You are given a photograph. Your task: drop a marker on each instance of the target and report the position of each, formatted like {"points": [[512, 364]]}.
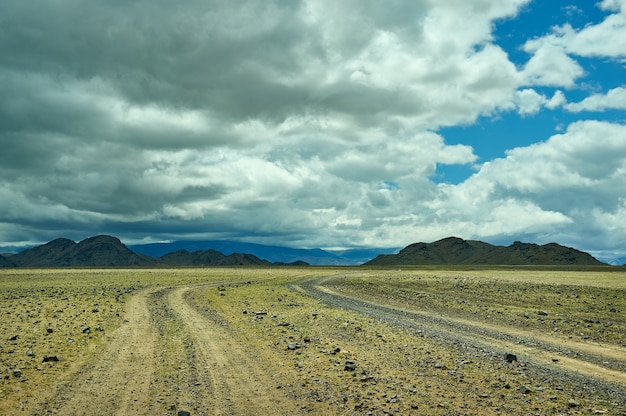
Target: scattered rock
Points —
{"points": [[293, 346], [525, 389], [17, 373], [183, 413], [49, 330], [510, 357], [85, 329], [50, 359], [542, 313], [284, 324], [572, 403], [349, 365], [30, 353]]}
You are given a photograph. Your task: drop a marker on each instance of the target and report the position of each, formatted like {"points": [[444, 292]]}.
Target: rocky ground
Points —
{"points": [[269, 341]]}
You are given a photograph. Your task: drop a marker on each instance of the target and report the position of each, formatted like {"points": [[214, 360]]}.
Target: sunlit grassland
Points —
{"points": [[397, 370], [583, 304], [70, 313]]}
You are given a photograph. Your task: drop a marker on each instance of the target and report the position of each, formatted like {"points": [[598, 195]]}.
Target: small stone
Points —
{"points": [[555, 359], [349, 365], [85, 329], [183, 413], [17, 373], [524, 389], [510, 357], [284, 324], [51, 358], [542, 313], [293, 346], [30, 353], [49, 330], [572, 403]]}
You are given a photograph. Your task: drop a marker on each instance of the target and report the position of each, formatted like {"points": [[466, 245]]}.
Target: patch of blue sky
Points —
{"points": [[389, 185]]}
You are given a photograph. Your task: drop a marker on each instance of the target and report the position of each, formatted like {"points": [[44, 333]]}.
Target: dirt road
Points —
{"points": [[168, 357], [592, 366]]}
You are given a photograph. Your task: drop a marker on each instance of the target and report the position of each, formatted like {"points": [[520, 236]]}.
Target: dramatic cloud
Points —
{"points": [[307, 123]]}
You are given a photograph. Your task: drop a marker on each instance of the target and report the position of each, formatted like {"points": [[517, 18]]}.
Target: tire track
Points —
{"points": [[579, 366], [240, 386], [117, 382]]}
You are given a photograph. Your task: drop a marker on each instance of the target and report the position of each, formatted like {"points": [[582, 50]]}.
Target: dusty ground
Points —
{"points": [[238, 342]]}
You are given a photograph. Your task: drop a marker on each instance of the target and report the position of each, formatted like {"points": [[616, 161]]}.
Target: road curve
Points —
{"points": [[604, 369]]}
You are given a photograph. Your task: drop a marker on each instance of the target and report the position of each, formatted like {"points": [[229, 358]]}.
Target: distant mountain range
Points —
{"points": [[107, 251], [315, 256], [456, 251]]}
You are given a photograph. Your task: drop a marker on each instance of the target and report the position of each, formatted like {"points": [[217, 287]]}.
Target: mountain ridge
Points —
{"points": [[108, 251], [456, 251]]}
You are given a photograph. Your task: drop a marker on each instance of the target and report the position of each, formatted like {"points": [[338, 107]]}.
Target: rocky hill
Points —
{"points": [[456, 251], [99, 251]]}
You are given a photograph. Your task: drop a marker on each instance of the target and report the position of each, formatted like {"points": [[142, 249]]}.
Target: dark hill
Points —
{"points": [[100, 251], [456, 251], [5, 261], [107, 251], [210, 258]]}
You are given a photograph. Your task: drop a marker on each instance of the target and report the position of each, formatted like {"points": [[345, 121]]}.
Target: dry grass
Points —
{"points": [[305, 344]]}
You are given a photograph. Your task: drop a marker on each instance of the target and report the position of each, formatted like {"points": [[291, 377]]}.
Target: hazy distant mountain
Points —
{"points": [[274, 254], [456, 251]]}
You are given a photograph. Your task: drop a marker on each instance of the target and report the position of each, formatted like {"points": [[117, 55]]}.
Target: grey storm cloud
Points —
{"points": [[304, 122]]}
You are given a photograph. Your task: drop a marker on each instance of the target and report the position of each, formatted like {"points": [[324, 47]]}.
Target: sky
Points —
{"points": [[319, 123]]}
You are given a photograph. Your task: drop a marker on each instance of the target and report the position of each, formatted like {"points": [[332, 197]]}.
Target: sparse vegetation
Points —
{"points": [[322, 358]]}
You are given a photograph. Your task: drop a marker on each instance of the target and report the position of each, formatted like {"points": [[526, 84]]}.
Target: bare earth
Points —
{"points": [[602, 362], [128, 378], [169, 356]]}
